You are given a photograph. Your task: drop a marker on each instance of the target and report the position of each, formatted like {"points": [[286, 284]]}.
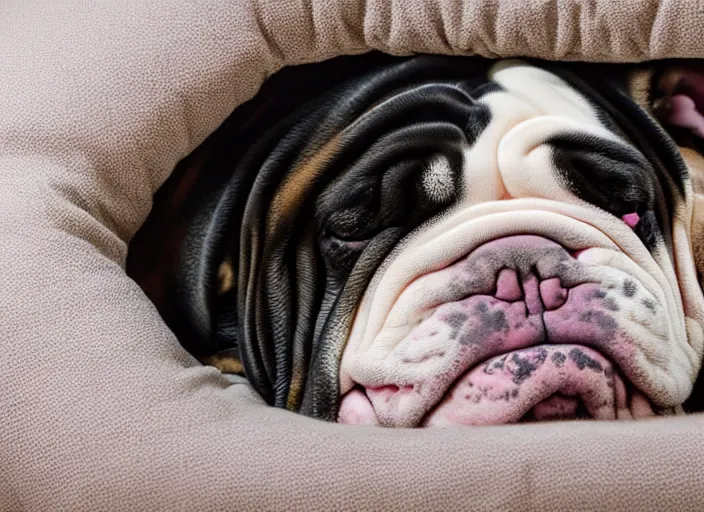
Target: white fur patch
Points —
{"points": [[438, 181]]}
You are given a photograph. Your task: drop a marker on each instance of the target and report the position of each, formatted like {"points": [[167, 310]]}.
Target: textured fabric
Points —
{"points": [[101, 408]]}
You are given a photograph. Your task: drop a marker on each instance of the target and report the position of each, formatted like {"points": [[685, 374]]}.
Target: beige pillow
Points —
{"points": [[100, 407]]}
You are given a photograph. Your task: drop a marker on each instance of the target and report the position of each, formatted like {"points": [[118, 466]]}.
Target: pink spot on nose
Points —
{"points": [[552, 293], [507, 286], [631, 219]]}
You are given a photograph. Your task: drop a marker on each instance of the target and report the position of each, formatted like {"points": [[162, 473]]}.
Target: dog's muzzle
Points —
{"points": [[538, 341]]}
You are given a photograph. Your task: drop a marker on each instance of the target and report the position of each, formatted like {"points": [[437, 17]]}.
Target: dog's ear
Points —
{"points": [[673, 93]]}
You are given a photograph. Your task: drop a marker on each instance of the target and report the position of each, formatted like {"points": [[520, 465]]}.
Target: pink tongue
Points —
{"points": [[685, 114], [548, 381], [686, 87]]}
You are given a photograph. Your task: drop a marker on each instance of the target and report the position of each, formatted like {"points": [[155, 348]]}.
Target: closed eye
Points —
{"points": [[338, 247]]}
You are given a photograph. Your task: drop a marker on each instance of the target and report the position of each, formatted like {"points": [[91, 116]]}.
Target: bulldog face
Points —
{"points": [[434, 241]]}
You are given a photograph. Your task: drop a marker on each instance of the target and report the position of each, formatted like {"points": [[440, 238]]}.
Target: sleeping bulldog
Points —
{"points": [[434, 241]]}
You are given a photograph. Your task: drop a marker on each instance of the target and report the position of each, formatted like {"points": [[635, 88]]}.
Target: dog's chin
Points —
{"points": [[542, 383]]}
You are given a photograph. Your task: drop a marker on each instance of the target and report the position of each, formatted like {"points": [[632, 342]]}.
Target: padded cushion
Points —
{"points": [[102, 409]]}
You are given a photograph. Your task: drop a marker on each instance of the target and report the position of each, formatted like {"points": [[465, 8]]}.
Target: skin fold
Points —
{"points": [[435, 241]]}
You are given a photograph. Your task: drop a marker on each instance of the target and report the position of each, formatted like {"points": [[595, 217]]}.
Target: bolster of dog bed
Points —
{"points": [[101, 409]]}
